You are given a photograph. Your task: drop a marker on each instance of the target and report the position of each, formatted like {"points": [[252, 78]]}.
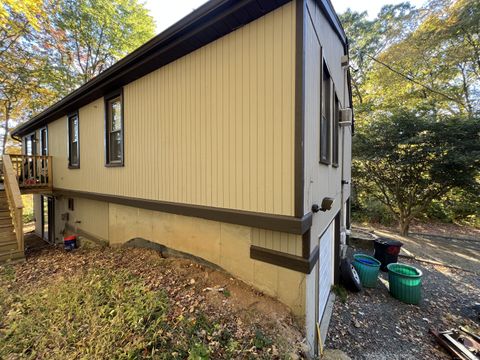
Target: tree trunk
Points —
{"points": [[6, 128], [404, 225]]}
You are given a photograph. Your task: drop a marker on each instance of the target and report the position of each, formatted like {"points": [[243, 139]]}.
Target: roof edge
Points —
{"points": [[212, 20]]}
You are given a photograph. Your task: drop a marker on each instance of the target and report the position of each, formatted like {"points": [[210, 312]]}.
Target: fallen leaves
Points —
{"points": [[203, 317]]}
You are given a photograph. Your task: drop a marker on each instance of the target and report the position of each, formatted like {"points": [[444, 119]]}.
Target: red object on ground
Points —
{"points": [[70, 238]]}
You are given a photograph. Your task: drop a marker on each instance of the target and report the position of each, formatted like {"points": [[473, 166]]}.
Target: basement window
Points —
{"points": [[325, 119], [71, 205], [114, 129], [73, 142]]}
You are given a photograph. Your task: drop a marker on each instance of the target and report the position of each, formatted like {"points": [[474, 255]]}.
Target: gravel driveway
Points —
{"points": [[373, 325]]}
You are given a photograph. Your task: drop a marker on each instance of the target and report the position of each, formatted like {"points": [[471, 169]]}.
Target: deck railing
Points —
{"points": [[14, 198], [32, 171]]}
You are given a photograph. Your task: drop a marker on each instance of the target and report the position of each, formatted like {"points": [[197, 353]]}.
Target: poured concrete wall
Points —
{"points": [[225, 245]]}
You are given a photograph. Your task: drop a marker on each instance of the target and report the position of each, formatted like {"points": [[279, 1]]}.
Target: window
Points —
{"points": [[336, 119], [114, 130], [43, 141], [71, 205], [73, 142], [326, 116], [30, 148]]}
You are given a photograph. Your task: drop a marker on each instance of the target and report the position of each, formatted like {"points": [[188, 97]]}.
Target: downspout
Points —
{"points": [[343, 230]]}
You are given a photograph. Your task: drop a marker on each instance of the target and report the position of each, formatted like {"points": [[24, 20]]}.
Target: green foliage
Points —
{"points": [[49, 48], [425, 64], [85, 37], [198, 351], [261, 340], [406, 161], [97, 315], [106, 314], [457, 206], [367, 208], [340, 292], [28, 214]]}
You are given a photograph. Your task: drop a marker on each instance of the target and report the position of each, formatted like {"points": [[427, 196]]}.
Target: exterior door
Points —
{"points": [[42, 164], [48, 217], [325, 278]]}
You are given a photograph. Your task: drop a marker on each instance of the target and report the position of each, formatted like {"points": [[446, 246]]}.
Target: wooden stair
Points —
{"points": [[9, 250]]}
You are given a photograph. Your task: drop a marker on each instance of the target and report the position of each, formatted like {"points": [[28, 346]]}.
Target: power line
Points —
{"points": [[409, 78]]}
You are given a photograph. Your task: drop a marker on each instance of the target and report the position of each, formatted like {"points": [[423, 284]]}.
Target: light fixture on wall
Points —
{"points": [[327, 204]]}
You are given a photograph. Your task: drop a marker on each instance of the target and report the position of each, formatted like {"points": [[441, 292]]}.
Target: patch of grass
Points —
{"points": [[100, 314], [198, 351], [28, 215], [261, 340], [340, 292], [226, 293]]}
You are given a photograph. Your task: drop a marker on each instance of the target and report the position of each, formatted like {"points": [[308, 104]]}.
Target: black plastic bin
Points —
{"points": [[386, 251]]}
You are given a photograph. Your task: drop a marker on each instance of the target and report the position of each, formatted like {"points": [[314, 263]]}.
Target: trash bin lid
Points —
{"points": [[389, 242]]}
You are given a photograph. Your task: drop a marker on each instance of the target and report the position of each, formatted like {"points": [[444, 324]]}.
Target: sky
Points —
{"points": [[168, 12]]}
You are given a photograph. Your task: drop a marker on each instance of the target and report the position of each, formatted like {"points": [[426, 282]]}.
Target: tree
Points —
{"points": [[406, 160], [82, 38], [436, 67], [50, 47], [17, 19], [368, 38]]}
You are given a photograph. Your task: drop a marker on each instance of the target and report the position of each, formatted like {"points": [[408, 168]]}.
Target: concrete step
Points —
{"points": [[11, 256]]}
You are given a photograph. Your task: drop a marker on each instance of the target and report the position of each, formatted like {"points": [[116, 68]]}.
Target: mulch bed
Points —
{"points": [[374, 325]]}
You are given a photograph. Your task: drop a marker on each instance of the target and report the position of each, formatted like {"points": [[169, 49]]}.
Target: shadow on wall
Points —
{"points": [[168, 252]]}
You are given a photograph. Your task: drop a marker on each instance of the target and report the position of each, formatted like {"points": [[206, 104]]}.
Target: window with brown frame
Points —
{"points": [[336, 119], [326, 116], [114, 130], [73, 142]]}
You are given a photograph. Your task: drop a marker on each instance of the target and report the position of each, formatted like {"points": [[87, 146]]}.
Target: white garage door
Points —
{"points": [[326, 268]]}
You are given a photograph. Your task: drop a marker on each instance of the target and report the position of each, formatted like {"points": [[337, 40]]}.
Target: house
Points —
{"points": [[226, 137]]}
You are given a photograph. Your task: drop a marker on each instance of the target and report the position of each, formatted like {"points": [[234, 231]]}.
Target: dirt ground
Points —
{"points": [[374, 325], [444, 249], [190, 287]]}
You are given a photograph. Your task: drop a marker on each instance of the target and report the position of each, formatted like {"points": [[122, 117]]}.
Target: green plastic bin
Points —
{"points": [[367, 268], [405, 283]]}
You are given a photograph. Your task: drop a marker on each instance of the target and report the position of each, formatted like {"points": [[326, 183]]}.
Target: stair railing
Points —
{"points": [[32, 171], [14, 198]]}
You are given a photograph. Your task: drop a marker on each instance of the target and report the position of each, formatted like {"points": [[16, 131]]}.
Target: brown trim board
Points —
{"points": [[285, 260], [299, 106], [282, 223]]}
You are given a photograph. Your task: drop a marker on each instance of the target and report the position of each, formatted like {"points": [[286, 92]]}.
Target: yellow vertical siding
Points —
{"points": [[213, 128], [275, 240]]}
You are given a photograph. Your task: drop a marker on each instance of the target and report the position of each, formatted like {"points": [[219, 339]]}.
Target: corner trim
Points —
{"points": [[292, 262], [299, 106], [282, 223]]}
